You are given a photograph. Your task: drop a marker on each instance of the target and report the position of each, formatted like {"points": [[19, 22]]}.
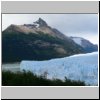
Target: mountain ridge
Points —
{"points": [[37, 41], [86, 44], [38, 26]]}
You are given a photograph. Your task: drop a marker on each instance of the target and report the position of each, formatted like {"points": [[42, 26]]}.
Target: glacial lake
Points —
{"points": [[13, 67]]}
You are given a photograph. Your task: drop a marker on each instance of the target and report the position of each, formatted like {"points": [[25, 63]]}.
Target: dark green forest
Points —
{"points": [[19, 46], [29, 79]]}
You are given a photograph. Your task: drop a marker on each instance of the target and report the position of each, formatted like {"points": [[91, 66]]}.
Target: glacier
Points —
{"points": [[83, 67]]}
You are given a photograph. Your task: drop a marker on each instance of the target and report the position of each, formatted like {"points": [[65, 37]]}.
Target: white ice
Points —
{"points": [[83, 67]]}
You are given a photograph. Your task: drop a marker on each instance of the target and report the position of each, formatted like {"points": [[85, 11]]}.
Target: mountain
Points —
{"points": [[83, 67], [37, 41], [86, 44]]}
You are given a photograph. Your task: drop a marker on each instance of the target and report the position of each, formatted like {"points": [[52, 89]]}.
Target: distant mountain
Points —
{"points": [[86, 44], [37, 41]]}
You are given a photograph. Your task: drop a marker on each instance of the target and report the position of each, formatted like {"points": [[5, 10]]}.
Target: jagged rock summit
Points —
{"points": [[39, 26], [41, 22]]}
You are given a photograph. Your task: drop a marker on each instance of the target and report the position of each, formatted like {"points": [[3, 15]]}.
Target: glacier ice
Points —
{"points": [[83, 67]]}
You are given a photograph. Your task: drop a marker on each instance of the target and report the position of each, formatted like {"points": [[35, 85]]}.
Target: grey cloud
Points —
{"points": [[76, 23]]}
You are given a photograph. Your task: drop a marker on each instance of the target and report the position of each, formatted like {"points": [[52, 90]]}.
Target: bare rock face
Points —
{"points": [[20, 28], [41, 22]]}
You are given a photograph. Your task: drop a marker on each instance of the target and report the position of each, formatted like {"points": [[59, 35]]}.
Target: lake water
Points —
{"points": [[13, 67]]}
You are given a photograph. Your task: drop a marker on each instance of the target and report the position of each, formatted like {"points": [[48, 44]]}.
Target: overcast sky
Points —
{"points": [[81, 25]]}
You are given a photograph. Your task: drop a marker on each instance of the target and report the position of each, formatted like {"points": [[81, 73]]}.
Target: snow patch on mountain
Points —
{"points": [[85, 44], [77, 41], [83, 67]]}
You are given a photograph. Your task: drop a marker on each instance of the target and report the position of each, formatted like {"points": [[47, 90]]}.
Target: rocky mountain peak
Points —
{"points": [[41, 22]]}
